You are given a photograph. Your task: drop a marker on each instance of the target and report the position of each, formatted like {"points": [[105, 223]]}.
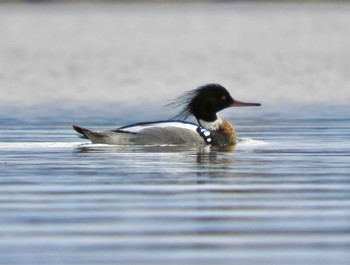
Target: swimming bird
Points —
{"points": [[203, 103]]}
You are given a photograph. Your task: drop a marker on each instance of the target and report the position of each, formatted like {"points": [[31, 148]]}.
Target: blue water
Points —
{"points": [[281, 196]]}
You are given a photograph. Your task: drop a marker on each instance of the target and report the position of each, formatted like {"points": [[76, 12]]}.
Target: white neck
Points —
{"points": [[211, 125]]}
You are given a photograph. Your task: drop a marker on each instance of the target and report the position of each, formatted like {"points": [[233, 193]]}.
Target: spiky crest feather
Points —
{"points": [[185, 100]]}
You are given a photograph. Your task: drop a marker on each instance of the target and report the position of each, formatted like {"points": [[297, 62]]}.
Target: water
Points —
{"points": [[281, 196]]}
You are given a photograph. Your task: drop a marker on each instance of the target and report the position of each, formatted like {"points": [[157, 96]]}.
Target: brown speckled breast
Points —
{"points": [[227, 128], [225, 135]]}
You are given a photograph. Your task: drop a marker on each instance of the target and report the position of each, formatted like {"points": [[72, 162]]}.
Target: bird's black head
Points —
{"points": [[205, 101]]}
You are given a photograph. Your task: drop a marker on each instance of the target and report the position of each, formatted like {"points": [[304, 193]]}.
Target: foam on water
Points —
{"points": [[250, 142], [52, 145], [38, 145]]}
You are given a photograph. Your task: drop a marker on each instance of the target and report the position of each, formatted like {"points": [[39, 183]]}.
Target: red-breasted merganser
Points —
{"points": [[203, 103]]}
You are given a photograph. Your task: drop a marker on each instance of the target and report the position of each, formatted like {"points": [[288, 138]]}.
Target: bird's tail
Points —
{"points": [[82, 131]]}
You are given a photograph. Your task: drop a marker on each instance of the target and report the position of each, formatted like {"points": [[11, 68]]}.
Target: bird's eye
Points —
{"points": [[223, 98]]}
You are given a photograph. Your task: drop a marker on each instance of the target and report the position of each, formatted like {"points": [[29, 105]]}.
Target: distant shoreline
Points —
{"points": [[171, 1]]}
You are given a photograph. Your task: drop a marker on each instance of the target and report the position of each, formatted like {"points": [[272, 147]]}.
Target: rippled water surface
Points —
{"points": [[281, 196]]}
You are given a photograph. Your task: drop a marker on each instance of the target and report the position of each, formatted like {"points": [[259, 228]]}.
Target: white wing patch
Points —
{"points": [[170, 124], [168, 132]]}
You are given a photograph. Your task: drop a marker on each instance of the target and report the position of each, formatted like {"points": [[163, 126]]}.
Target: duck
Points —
{"points": [[203, 103]]}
